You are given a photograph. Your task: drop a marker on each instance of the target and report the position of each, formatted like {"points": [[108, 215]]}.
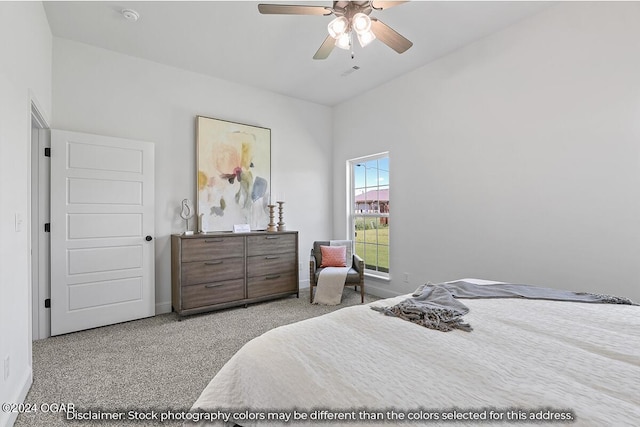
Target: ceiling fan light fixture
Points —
{"points": [[338, 27], [365, 38], [351, 19], [361, 23], [344, 41]]}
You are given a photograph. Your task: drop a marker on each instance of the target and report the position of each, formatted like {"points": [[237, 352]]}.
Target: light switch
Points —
{"points": [[19, 222]]}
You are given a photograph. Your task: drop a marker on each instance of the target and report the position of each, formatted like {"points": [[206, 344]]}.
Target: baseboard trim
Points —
{"points": [[163, 307], [19, 398], [369, 287], [378, 291]]}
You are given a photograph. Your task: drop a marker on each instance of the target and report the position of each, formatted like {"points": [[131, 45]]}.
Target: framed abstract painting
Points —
{"points": [[234, 174]]}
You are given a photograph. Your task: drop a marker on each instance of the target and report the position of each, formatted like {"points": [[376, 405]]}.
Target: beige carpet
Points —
{"points": [[155, 363]]}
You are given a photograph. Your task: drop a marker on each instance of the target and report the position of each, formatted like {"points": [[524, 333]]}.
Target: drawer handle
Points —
{"points": [[214, 285], [272, 237], [213, 240], [213, 263], [272, 257], [272, 277]]}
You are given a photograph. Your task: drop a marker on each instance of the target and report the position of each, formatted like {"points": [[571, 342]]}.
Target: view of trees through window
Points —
{"points": [[370, 211]]}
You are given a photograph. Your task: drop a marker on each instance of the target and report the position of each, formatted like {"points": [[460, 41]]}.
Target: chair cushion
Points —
{"points": [[333, 256], [317, 252], [349, 245], [353, 277]]}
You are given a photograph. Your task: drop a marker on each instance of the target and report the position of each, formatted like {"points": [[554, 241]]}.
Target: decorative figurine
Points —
{"points": [[186, 213]]}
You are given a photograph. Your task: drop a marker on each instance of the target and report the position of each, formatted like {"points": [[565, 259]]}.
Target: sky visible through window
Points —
{"points": [[371, 174]]}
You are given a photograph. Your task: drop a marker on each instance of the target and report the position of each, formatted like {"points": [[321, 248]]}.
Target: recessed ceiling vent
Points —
{"points": [[350, 70]]}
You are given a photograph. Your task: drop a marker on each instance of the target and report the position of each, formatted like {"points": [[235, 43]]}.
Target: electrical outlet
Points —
{"points": [[406, 277], [6, 368]]}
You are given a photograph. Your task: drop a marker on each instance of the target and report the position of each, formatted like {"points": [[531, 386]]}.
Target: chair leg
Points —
{"points": [[361, 294], [311, 293]]}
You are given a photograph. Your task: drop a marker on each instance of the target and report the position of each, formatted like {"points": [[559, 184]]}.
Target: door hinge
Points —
{"points": [[47, 152], [47, 227], [47, 303]]}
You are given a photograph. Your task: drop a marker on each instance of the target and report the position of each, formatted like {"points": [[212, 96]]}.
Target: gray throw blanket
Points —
{"points": [[436, 306]]}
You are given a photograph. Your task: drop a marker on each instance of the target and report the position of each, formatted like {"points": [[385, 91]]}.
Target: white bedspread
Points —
{"points": [[522, 355]]}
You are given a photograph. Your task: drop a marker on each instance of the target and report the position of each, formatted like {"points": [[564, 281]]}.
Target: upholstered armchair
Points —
{"points": [[355, 276]]}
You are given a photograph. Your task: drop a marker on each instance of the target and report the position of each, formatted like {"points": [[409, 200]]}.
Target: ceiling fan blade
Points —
{"points": [[381, 5], [389, 36], [325, 48], [285, 9]]}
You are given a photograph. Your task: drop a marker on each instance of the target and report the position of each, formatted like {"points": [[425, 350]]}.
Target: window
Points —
{"points": [[369, 211]]}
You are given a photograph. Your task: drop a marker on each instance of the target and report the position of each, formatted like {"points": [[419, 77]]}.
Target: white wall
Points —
{"points": [[515, 158], [25, 75], [103, 92]]}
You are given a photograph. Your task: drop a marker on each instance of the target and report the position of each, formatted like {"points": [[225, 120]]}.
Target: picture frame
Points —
{"points": [[233, 174]]}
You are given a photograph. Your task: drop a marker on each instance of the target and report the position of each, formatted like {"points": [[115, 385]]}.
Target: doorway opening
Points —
{"points": [[40, 240]]}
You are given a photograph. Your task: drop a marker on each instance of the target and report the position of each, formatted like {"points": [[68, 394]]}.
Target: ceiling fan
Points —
{"points": [[351, 17]]}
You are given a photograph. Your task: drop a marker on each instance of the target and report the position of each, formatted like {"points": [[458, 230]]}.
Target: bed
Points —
{"points": [[561, 363]]}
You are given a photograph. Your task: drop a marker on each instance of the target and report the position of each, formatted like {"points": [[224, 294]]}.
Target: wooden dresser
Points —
{"points": [[218, 270]]}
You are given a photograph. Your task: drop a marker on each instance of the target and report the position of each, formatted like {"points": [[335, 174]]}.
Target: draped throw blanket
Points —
{"points": [[436, 306], [330, 285], [331, 279]]}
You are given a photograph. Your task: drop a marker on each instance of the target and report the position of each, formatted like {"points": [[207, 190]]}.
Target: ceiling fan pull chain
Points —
{"points": [[353, 55]]}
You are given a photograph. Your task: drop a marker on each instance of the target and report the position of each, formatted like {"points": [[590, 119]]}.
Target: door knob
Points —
{"points": [[148, 238]]}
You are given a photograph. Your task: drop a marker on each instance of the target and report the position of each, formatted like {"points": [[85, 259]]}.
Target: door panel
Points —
{"points": [[97, 294], [101, 191], [106, 158], [102, 267], [103, 225], [91, 260]]}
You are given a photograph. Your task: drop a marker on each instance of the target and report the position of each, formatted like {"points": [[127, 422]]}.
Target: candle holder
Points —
{"points": [[281, 226], [272, 226]]}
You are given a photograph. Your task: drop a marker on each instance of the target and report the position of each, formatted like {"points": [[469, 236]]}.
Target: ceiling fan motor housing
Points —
{"points": [[350, 8]]}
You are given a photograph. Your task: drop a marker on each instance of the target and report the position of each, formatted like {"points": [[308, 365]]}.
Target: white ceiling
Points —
{"points": [[231, 40]]}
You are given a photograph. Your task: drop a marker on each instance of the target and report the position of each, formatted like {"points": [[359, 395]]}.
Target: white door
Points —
{"points": [[102, 225]]}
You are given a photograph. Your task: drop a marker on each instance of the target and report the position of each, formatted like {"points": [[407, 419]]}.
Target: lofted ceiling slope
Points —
{"points": [[231, 40]]}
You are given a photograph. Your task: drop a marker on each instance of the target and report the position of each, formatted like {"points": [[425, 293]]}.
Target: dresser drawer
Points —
{"points": [[271, 284], [212, 247], [270, 244], [261, 265], [212, 271], [212, 293]]}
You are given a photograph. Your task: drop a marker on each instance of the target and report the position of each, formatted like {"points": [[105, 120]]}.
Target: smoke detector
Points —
{"points": [[130, 15]]}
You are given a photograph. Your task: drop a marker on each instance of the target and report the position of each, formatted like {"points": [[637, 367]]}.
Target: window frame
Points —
{"points": [[353, 215]]}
